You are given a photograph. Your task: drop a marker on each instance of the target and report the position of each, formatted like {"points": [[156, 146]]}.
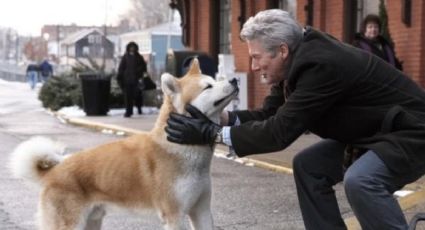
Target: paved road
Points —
{"points": [[243, 197]]}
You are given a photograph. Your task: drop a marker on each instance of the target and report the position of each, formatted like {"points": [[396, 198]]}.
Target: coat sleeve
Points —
{"points": [[317, 89], [121, 70], [142, 67]]}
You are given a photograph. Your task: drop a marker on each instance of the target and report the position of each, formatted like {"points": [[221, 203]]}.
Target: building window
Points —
{"points": [[406, 12], [288, 5], [101, 52], [225, 24], [91, 39], [309, 11], [365, 7], [291, 7], [95, 39], [86, 51]]}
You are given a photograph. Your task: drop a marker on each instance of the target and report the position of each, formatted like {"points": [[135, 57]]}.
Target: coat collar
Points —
{"points": [[306, 31]]}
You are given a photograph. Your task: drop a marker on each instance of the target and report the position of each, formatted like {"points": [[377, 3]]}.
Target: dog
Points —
{"points": [[140, 172]]}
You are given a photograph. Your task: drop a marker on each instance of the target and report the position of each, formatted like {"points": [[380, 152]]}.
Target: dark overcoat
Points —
{"points": [[131, 67], [380, 47], [343, 93]]}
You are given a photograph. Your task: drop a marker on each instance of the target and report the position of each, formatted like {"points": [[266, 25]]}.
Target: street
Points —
{"points": [[243, 197]]}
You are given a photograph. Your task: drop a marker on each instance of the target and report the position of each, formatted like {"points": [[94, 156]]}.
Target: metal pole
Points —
{"points": [[58, 42], [170, 24], [17, 48]]}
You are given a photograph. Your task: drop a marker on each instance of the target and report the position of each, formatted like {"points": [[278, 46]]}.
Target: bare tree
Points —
{"points": [[147, 13]]}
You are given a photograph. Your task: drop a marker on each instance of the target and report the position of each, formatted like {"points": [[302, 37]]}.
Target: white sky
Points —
{"points": [[29, 16]]}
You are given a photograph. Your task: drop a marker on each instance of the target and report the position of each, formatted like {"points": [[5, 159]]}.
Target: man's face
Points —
{"points": [[269, 67]]}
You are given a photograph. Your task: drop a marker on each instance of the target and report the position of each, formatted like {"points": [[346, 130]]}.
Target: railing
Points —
{"points": [[12, 72]]}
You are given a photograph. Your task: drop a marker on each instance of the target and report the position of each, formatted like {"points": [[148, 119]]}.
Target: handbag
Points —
{"points": [[148, 83]]}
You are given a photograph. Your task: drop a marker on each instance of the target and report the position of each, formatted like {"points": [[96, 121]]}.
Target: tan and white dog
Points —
{"points": [[140, 172]]}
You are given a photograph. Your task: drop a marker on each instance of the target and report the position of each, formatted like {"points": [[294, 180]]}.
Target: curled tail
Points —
{"points": [[33, 158]]}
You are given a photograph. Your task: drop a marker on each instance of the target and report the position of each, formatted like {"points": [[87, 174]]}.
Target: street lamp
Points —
{"points": [[46, 36]]}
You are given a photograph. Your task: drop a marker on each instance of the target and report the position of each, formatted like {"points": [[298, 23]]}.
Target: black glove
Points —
{"points": [[197, 130]]}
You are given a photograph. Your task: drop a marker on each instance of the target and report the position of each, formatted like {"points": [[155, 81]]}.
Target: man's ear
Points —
{"points": [[283, 51], [169, 84]]}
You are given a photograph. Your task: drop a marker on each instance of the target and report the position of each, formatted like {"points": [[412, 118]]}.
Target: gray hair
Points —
{"points": [[272, 28]]}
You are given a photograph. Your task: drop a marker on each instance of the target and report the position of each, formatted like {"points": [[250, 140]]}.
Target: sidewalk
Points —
{"points": [[115, 122], [277, 161]]}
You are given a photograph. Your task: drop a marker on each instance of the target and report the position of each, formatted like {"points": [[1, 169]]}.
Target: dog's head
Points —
{"points": [[199, 90]]}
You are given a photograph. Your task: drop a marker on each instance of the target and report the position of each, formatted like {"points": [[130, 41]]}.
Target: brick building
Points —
{"points": [[213, 26]]}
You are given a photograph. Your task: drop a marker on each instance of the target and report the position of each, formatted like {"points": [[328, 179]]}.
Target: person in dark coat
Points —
{"points": [[370, 115], [130, 72], [32, 74], [370, 40], [46, 70]]}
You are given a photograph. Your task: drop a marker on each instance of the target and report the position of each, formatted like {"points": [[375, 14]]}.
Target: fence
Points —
{"points": [[11, 72]]}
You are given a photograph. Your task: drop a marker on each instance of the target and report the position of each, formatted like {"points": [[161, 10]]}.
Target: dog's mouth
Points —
{"points": [[225, 99]]}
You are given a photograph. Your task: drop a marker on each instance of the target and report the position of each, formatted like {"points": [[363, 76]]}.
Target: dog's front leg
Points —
{"points": [[94, 218], [200, 214], [173, 221]]}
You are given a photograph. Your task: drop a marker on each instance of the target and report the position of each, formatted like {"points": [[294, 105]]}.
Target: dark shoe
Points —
{"points": [[139, 110], [127, 115]]}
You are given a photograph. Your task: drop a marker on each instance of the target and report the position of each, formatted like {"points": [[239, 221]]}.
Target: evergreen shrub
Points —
{"points": [[65, 90], [61, 91]]}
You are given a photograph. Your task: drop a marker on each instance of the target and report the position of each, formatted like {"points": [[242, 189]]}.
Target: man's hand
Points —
{"points": [[197, 130]]}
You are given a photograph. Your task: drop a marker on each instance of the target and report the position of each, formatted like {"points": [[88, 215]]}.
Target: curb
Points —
{"points": [[102, 126], [253, 162], [96, 125]]}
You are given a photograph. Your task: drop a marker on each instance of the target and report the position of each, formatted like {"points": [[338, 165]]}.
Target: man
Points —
{"points": [[360, 105], [46, 70], [32, 74]]}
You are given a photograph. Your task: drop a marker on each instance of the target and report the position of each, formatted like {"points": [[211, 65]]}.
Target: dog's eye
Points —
{"points": [[209, 86]]}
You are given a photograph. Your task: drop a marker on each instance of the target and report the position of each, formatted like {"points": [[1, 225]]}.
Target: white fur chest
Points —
{"points": [[195, 178], [196, 158]]}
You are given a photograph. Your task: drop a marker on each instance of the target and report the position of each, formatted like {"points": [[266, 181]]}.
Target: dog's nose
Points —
{"points": [[234, 82]]}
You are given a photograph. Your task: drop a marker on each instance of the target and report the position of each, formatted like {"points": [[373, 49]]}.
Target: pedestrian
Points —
{"points": [[371, 40], [365, 110], [46, 70], [32, 74], [130, 72]]}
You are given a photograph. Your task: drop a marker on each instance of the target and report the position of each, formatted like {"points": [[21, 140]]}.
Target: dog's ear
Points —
{"points": [[194, 68], [169, 85]]}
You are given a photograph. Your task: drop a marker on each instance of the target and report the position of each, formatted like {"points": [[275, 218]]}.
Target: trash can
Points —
{"points": [[206, 63], [96, 90], [178, 62]]}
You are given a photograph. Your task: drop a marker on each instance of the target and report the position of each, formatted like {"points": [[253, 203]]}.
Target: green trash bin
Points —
{"points": [[96, 90]]}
